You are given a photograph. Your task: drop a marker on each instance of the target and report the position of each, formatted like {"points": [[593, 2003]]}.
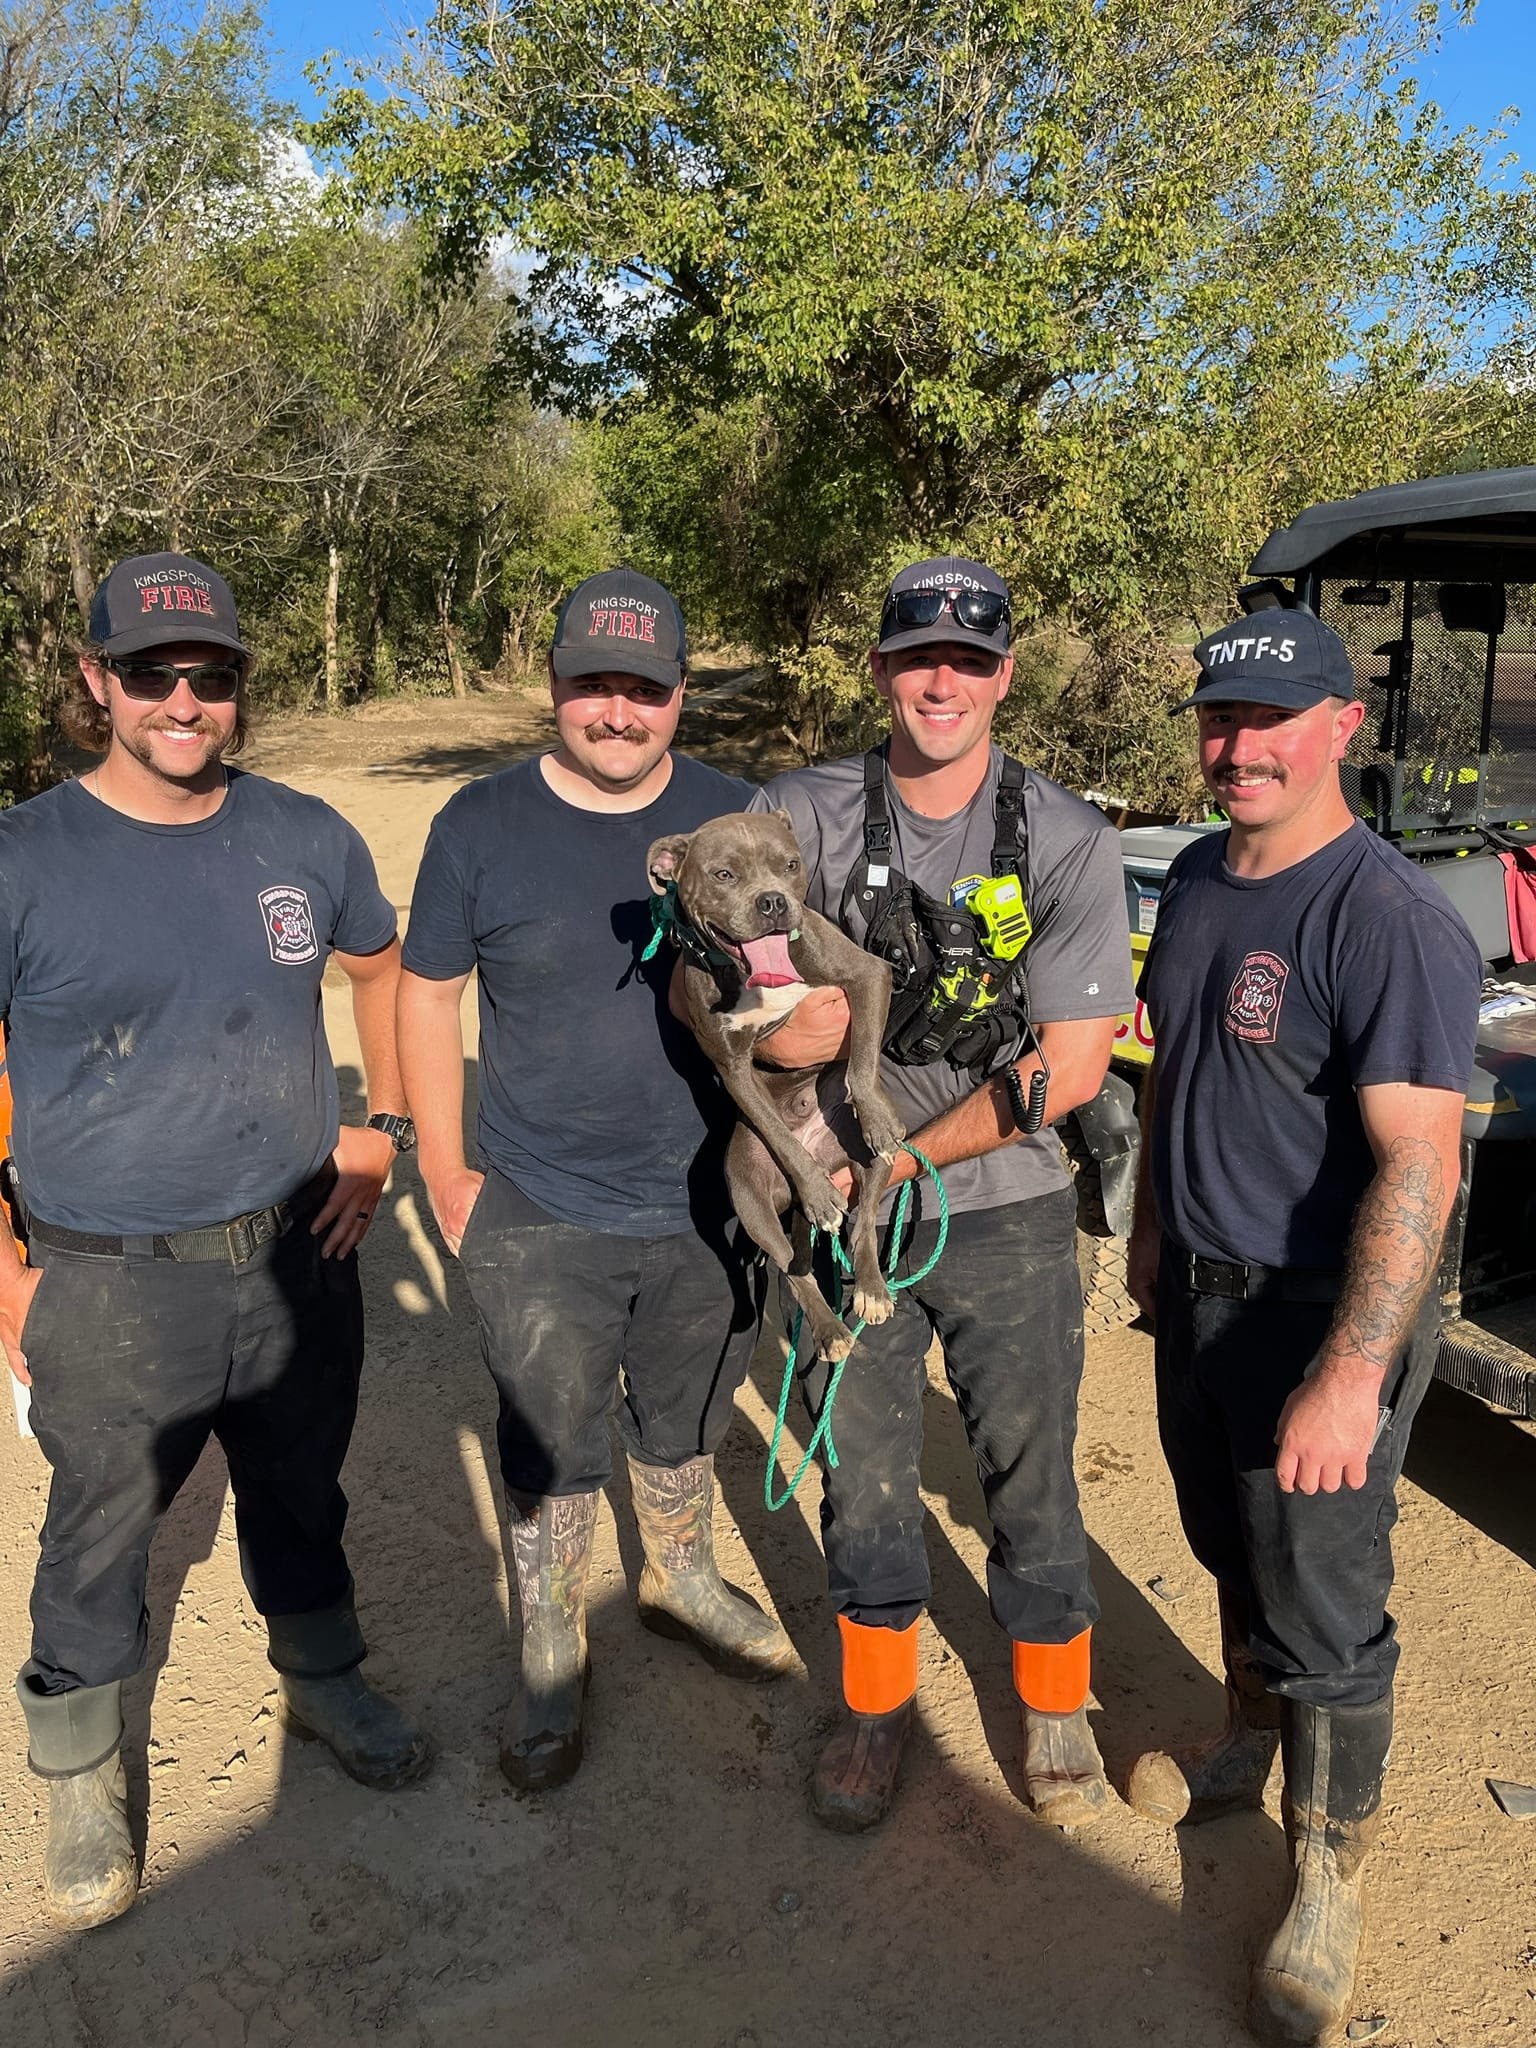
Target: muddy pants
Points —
{"points": [[135, 1360], [1006, 1303], [575, 1323], [1314, 1569]]}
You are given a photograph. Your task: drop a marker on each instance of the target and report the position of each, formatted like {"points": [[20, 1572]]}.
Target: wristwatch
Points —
{"points": [[399, 1130]]}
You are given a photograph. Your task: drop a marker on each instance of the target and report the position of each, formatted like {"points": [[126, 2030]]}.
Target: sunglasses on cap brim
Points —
{"points": [[979, 611], [211, 682]]}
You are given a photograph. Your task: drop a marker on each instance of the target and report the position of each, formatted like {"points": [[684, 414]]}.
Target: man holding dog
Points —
{"points": [[193, 1204], [901, 844], [1314, 1002], [595, 1240]]}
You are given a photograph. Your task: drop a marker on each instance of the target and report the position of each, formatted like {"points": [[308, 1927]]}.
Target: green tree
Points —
{"points": [[1098, 278]]}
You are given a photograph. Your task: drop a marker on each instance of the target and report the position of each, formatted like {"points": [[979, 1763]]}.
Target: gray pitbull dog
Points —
{"points": [[753, 952]]}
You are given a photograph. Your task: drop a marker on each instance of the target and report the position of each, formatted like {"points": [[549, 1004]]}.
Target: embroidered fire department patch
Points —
{"points": [[290, 925], [1253, 1007]]}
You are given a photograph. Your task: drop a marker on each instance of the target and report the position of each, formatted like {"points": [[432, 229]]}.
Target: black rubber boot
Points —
{"points": [[681, 1592], [325, 1698], [1227, 1772], [90, 1873], [1335, 1758], [857, 1773], [1063, 1771], [541, 1739]]}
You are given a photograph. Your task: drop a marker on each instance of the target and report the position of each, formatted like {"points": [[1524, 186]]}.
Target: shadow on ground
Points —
{"points": [[676, 1892]]}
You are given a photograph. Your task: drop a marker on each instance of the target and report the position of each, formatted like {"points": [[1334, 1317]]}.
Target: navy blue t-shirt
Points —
{"points": [[1271, 1002], [162, 989], [594, 1100]]}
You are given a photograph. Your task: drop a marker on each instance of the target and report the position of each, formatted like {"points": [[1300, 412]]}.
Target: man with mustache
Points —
{"points": [[1314, 1001], [193, 1204], [593, 1237]]}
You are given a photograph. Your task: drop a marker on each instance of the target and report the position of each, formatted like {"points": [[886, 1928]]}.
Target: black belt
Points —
{"points": [[235, 1242], [1231, 1282]]}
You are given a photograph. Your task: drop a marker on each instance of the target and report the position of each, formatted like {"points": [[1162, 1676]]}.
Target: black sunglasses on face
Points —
{"points": [[211, 682], [983, 611]]}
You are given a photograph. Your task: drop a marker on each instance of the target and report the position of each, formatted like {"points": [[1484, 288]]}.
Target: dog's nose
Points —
{"points": [[772, 904]]}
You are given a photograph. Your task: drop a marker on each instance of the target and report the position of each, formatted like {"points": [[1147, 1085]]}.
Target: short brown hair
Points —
{"points": [[88, 725]]}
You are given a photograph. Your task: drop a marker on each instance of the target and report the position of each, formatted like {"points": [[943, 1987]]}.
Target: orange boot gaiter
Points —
{"points": [[1053, 1677], [879, 1666]]}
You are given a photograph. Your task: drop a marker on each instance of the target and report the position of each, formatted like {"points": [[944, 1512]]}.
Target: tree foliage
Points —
{"points": [[196, 354], [1100, 289]]}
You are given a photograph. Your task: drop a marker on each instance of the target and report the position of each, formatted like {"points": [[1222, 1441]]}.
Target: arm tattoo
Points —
{"points": [[1393, 1250]]}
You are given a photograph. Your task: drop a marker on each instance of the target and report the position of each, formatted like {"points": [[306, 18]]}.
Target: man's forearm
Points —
{"points": [[431, 1040], [983, 1122], [1394, 1250], [373, 1011]]}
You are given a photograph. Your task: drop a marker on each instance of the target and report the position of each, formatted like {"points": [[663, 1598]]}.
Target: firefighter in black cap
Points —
{"points": [[998, 899], [193, 1206], [1314, 999]]}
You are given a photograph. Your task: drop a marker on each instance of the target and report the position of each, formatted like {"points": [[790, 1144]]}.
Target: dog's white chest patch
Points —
{"points": [[760, 1006]]}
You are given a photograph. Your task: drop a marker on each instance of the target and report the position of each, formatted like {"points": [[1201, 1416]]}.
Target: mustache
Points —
{"points": [[632, 735], [203, 726]]}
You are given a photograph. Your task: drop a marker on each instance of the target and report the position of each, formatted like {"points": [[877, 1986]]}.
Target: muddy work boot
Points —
{"points": [[90, 1873], [1302, 1989], [856, 1775], [681, 1592], [541, 1739], [325, 1698], [1063, 1771], [1227, 1772]]}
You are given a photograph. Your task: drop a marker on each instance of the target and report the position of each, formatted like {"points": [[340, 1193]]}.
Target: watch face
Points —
{"points": [[398, 1129]]}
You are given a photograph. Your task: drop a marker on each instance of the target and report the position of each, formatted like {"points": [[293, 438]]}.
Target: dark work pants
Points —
{"points": [[135, 1361], [1007, 1305], [1316, 1569], [575, 1322]]}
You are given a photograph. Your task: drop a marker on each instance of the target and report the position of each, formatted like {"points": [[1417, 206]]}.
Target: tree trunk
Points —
{"points": [[332, 630], [81, 576], [450, 630]]}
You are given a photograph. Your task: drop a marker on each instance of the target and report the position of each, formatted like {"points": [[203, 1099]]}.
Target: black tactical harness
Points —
{"points": [[951, 999]]}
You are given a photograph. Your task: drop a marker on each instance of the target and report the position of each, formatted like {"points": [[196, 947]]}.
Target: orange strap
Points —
{"points": [[879, 1666], [1053, 1677]]}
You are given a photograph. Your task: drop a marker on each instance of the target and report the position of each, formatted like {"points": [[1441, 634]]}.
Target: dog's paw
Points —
{"points": [[823, 1205], [835, 1349], [874, 1307], [883, 1129]]}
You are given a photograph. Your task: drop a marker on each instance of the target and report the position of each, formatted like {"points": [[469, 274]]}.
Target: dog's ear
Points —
{"points": [[665, 858]]}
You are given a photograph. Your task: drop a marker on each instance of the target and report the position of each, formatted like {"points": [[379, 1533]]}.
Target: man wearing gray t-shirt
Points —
{"points": [[901, 846]]}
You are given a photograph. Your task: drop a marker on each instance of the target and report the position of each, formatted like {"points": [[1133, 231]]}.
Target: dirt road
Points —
{"points": [[676, 1895]]}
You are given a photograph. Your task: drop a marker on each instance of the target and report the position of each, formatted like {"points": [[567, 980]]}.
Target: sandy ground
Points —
{"points": [[676, 1893]]}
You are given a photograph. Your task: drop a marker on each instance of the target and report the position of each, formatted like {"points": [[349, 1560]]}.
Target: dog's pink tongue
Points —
{"points": [[768, 961]]}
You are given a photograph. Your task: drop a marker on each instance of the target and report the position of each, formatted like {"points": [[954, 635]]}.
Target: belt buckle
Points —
{"points": [[247, 1234], [1216, 1277]]}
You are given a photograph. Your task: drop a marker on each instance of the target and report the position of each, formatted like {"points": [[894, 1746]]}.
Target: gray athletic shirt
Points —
{"points": [[1079, 960]]}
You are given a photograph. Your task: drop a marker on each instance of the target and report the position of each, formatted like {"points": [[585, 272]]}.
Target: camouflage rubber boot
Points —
{"points": [[681, 1592], [1227, 1772], [90, 1872], [1335, 1758], [541, 1739]]}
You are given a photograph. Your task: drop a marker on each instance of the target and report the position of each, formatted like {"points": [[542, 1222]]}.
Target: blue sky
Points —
{"points": [[1476, 73]]}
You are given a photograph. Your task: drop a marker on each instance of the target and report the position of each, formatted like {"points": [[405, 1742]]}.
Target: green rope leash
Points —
{"points": [[663, 917], [821, 1435]]}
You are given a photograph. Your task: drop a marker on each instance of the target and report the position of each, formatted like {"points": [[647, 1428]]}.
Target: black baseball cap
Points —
{"points": [[1275, 656], [151, 599], [964, 586], [621, 621]]}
